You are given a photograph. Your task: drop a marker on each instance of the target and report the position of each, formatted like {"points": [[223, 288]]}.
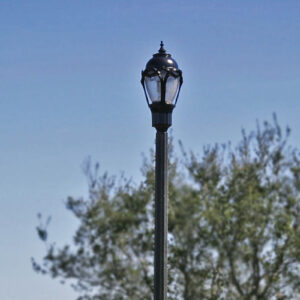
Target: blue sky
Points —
{"points": [[70, 88]]}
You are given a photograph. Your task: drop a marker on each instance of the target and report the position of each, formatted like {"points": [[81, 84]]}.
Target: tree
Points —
{"points": [[234, 217]]}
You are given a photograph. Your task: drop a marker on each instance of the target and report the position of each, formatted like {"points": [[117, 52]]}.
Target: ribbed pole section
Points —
{"points": [[161, 216]]}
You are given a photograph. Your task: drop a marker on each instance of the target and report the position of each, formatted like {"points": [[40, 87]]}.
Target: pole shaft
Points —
{"points": [[161, 216]]}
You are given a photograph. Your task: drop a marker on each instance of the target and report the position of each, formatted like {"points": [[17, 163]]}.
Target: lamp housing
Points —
{"points": [[161, 81]]}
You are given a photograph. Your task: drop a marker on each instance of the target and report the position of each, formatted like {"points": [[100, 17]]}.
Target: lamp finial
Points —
{"points": [[162, 49]]}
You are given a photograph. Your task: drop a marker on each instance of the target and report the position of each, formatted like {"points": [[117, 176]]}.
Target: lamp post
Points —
{"points": [[161, 81]]}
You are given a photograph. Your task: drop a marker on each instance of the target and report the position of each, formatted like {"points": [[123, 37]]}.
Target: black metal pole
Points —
{"points": [[161, 216]]}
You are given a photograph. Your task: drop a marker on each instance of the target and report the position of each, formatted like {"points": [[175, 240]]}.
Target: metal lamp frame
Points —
{"points": [[161, 120], [152, 72]]}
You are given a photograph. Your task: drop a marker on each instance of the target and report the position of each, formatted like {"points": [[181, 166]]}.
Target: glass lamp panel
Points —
{"points": [[172, 89], [153, 87]]}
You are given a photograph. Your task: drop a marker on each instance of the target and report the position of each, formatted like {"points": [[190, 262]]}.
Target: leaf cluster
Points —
{"points": [[234, 217]]}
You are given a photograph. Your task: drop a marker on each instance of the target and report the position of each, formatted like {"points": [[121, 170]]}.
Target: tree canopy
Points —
{"points": [[234, 217]]}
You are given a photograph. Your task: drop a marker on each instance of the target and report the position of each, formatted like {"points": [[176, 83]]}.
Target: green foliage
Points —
{"points": [[234, 217]]}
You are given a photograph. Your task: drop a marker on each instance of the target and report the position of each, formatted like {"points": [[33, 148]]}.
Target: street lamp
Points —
{"points": [[161, 81]]}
